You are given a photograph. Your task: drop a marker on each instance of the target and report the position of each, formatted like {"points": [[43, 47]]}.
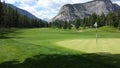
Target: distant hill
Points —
{"points": [[23, 12], [11, 16], [79, 11]]}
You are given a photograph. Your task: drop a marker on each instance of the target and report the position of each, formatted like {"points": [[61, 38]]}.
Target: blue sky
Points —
{"points": [[45, 9]]}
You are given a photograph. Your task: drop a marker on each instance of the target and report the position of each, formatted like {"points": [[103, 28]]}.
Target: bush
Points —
{"points": [[107, 29]]}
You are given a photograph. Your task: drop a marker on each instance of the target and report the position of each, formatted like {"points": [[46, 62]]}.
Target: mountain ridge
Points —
{"points": [[72, 12], [22, 11]]}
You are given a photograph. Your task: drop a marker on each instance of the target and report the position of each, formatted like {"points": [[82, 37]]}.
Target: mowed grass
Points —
{"points": [[105, 45], [37, 48], [26, 43]]}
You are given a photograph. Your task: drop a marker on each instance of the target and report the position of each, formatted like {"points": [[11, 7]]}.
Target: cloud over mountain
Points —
{"points": [[45, 8]]}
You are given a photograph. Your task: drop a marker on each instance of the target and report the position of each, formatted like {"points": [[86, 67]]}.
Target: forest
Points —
{"points": [[11, 18], [111, 19]]}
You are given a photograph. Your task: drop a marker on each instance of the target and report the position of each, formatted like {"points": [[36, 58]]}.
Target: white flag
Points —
{"points": [[95, 24]]}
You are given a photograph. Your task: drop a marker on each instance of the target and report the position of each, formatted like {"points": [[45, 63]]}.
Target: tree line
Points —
{"points": [[111, 19], [10, 17]]}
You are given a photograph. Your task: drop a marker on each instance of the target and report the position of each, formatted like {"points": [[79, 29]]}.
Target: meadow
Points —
{"points": [[51, 48]]}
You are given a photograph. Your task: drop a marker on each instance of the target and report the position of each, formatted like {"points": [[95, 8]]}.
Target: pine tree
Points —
{"points": [[94, 17], [98, 20], [109, 19], [1, 13], [84, 23], [65, 25], [102, 20], [9, 17], [77, 24], [118, 19], [69, 26]]}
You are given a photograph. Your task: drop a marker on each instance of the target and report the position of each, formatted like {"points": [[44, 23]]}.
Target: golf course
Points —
{"points": [[90, 46], [51, 48]]}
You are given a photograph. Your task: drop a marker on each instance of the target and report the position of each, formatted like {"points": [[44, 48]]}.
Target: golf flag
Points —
{"points": [[96, 31], [95, 24]]}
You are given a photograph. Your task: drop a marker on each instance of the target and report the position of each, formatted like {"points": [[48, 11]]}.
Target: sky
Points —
{"points": [[45, 9]]}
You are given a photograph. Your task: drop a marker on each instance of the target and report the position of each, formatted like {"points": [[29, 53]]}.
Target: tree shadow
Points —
{"points": [[67, 61], [4, 33]]}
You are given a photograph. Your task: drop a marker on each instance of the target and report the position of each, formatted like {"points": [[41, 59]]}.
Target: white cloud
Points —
{"points": [[51, 8], [10, 1], [117, 2], [45, 8]]}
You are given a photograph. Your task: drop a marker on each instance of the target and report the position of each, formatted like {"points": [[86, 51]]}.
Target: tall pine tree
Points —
{"points": [[1, 13]]}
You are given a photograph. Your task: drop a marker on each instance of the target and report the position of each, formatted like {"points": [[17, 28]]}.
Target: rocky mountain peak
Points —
{"points": [[105, 1], [74, 11], [101, 0]]}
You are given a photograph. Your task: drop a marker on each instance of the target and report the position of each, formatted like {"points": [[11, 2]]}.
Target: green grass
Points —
{"points": [[108, 29], [36, 48], [111, 46]]}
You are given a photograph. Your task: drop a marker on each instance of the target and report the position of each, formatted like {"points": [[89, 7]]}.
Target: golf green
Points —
{"points": [[104, 45]]}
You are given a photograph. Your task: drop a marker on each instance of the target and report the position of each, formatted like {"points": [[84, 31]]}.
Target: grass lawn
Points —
{"points": [[46, 48], [104, 45]]}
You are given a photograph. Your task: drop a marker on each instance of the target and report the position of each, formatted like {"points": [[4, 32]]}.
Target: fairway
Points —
{"points": [[51, 48], [89, 45]]}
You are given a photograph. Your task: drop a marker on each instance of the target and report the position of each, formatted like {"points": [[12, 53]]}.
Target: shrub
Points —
{"points": [[107, 29]]}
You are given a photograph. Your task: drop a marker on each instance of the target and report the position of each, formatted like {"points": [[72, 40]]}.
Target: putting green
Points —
{"points": [[89, 45]]}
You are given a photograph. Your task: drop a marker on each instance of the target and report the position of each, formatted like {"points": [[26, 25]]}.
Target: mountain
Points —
{"points": [[72, 12], [22, 12], [46, 19]]}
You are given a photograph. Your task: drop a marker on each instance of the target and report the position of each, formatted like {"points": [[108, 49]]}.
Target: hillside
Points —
{"points": [[11, 16], [75, 11], [23, 12]]}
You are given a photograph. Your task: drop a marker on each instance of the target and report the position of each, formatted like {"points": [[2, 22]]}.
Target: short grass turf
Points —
{"points": [[37, 48], [108, 45]]}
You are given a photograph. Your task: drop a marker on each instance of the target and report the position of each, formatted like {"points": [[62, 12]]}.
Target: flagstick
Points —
{"points": [[96, 31], [96, 36]]}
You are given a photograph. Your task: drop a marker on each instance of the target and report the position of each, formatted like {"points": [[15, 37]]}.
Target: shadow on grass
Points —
{"points": [[67, 61], [8, 33]]}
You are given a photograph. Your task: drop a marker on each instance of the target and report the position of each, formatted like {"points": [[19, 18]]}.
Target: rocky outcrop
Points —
{"points": [[75, 11]]}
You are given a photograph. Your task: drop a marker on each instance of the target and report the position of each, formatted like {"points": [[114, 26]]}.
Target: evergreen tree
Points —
{"points": [[77, 23], [93, 19], [102, 20], [69, 26], [1, 13], [65, 25], [98, 20], [10, 17], [118, 19], [109, 19], [84, 23]]}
